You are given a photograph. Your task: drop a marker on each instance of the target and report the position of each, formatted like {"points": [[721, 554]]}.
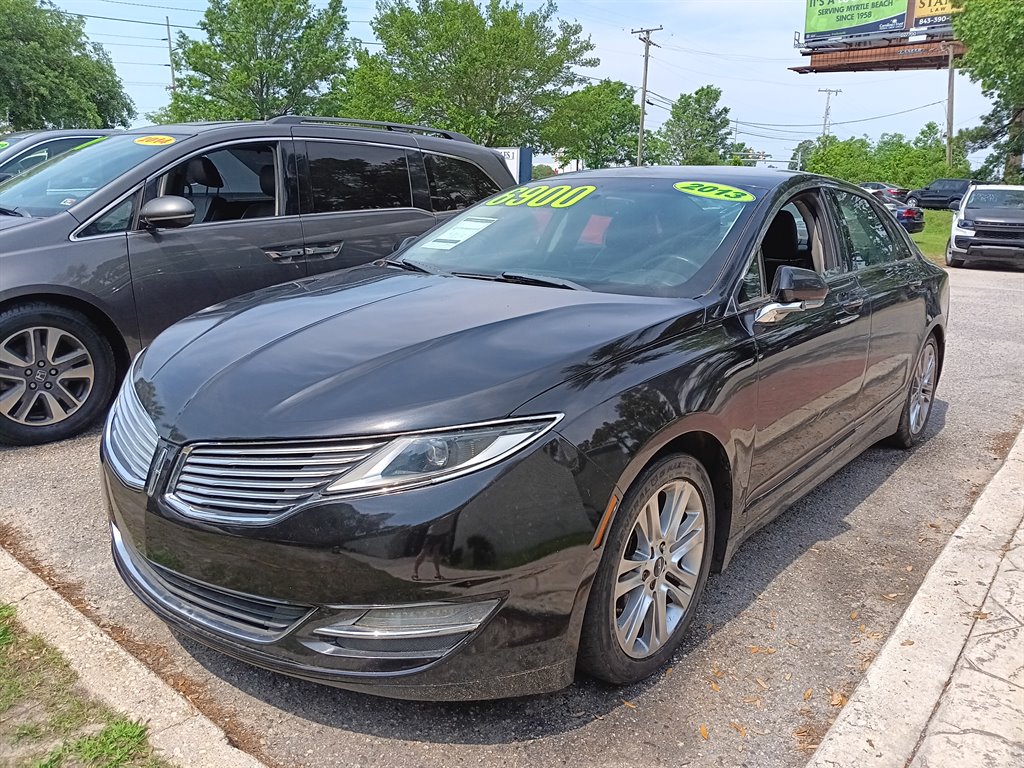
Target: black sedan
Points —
{"points": [[909, 217], [517, 448]]}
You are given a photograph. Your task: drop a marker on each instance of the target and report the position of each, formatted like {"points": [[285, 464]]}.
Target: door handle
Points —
{"points": [[324, 252], [287, 255], [853, 304], [915, 285]]}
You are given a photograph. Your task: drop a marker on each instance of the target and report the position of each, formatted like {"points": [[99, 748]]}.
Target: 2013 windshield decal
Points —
{"points": [[543, 195], [715, 191]]}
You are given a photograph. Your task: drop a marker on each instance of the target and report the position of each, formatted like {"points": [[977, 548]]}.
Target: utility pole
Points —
{"points": [[170, 52], [645, 38], [828, 106], [949, 107]]}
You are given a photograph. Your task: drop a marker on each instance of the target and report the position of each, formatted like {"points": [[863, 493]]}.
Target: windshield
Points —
{"points": [[69, 178], [996, 198], [641, 236]]}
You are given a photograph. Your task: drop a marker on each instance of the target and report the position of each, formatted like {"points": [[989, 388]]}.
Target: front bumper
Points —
{"points": [[970, 248], [517, 543]]}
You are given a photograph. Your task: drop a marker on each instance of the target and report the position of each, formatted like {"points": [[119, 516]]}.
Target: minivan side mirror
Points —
{"points": [[167, 212], [954, 205], [793, 290]]}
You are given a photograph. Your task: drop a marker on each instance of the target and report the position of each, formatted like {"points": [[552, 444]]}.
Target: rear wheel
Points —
{"points": [[952, 261], [918, 406], [57, 373], [652, 573]]}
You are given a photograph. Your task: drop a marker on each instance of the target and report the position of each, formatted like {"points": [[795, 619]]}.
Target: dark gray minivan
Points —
{"points": [[105, 246]]}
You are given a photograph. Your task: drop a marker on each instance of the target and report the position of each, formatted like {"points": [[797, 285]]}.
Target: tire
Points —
{"points": [[57, 373], [678, 578], [912, 201], [950, 260], [920, 394]]}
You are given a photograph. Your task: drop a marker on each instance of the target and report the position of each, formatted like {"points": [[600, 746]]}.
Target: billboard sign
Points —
{"points": [[828, 19], [933, 14]]}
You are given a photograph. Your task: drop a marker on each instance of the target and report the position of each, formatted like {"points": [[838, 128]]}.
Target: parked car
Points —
{"points": [[24, 150], [939, 194], [900, 193], [520, 446], [911, 219], [988, 226], [104, 247]]}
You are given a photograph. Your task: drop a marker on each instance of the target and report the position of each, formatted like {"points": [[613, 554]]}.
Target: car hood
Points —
{"points": [[373, 350], [9, 222], [995, 215]]}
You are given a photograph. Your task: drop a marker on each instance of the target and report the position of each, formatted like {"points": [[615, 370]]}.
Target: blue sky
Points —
{"points": [[743, 46]]}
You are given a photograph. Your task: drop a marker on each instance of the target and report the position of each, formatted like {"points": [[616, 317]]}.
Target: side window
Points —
{"points": [[356, 177], [751, 287], [863, 233], [456, 184], [117, 219], [236, 182]]}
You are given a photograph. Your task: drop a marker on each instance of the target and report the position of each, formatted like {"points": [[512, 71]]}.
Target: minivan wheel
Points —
{"points": [[652, 573], [951, 261], [57, 373], [918, 406]]}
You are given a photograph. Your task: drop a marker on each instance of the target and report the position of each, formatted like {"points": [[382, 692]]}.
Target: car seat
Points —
{"points": [[268, 185], [202, 171], [781, 246]]}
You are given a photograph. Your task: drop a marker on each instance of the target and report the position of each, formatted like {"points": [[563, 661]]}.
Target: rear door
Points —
{"points": [[246, 234], [358, 201], [891, 275], [455, 183]]}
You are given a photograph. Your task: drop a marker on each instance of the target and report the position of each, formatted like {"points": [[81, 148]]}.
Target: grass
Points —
{"points": [[933, 238], [46, 721]]}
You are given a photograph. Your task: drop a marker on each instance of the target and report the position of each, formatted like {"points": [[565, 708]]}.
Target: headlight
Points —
{"points": [[965, 224], [433, 456]]}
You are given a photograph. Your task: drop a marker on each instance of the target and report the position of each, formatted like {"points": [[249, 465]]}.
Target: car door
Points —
{"points": [[810, 363], [888, 271], [357, 201], [245, 235]]}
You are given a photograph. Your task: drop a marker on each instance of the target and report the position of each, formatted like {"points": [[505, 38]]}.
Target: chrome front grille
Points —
{"points": [[254, 482], [130, 436]]}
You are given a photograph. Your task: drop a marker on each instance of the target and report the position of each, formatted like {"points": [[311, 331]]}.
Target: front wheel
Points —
{"points": [[952, 261], [57, 373], [653, 571], [918, 406], [912, 201]]}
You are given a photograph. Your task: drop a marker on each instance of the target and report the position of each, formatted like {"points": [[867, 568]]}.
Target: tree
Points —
{"points": [[52, 76], [697, 131], [801, 154], [597, 124], [542, 171], [261, 59], [994, 37], [492, 71]]}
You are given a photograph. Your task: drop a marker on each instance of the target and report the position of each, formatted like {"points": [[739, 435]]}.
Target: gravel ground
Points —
{"points": [[782, 637]]}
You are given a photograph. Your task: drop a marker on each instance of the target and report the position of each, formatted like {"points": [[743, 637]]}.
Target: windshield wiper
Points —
{"points": [[523, 278], [11, 212], [408, 266]]}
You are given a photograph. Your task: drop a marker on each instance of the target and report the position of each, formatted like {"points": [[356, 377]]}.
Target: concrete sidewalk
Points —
{"points": [[947, 690]]}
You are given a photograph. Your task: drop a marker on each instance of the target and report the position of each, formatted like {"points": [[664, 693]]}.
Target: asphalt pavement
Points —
{"points": [[782, 637]]}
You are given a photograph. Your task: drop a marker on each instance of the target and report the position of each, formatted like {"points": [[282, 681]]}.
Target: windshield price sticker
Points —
{"points": [[715, 191], [543, 196], [155, 141], [459, 233], [4, 144]]}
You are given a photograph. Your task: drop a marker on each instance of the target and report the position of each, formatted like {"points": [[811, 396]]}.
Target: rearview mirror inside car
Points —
{"points": [[167, 212]]}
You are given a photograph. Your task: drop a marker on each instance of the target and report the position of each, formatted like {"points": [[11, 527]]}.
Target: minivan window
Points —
{"points": [[55, 185], [236, 182], [354, 177], [456, 184]]}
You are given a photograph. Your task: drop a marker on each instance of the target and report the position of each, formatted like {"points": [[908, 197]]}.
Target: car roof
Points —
{"points": [[731, 175], [58, 133]]}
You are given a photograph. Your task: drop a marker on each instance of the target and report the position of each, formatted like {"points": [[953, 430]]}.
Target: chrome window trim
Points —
{"points": [[75, 234]]}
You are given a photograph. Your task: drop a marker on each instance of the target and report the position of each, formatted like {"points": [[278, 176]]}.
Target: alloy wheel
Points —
{"points": [[923, 389], [659, 569], [46, 375]]}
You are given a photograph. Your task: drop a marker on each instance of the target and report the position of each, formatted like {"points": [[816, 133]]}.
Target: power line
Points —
{"points": [[128, 21], [160, 7], [844, 122]]}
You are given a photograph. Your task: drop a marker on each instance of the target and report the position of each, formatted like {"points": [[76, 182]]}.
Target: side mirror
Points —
{"points": [[793, 284], [167, 212], [404, 243], [954, 205]]}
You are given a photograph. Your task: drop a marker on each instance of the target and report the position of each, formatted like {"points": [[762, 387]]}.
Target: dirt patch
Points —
{"points": [[1001, 443], [154, 656]]}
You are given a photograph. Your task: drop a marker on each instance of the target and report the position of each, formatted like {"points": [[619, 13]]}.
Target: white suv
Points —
{"points": [[988, 225]]}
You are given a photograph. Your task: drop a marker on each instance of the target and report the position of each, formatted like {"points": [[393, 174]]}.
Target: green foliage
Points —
{"points": [[51, 76], [697, 131], [801, 153], [492, 71], [892, 158], [994, 36], [542, 171], [597, 124], [261, 59]]}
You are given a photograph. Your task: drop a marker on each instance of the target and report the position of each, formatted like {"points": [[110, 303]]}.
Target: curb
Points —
{"points": [[178, 732], [886, 718]]}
